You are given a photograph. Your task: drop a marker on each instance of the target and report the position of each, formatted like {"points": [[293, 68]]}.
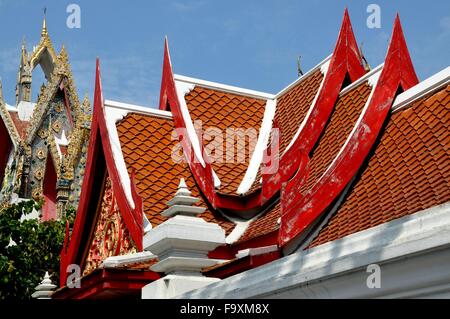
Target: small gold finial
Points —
{"points": [[44, 32], [363, 58], [24, 49], [299, 67]]}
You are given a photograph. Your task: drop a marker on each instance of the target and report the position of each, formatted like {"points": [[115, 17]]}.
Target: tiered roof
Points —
{"points": [[353, 154]]}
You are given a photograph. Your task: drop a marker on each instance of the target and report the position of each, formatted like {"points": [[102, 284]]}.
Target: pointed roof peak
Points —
{"points": [[346, 14], [167, 51], [346, 25], [44, 32], [98, 94], [167, 76], [398, 57]]}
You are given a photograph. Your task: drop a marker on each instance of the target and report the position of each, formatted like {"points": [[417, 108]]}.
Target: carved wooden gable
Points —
{"points": [[110, 236]]}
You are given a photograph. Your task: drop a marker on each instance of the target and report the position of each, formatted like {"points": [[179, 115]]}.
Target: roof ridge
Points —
{"points": [[133, 108], [224, 87], [304, 76], [430, 84]]}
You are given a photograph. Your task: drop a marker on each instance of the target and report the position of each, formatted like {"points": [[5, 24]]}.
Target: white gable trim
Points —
{"points": [[429, 85], [223, 87]]}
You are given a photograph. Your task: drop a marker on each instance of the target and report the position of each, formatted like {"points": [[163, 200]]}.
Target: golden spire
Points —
{"points": [[44, 32]]}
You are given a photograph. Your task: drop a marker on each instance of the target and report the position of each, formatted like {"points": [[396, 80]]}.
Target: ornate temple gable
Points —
{"points": [[57, 126], [9, 144], [44, 54], [58, 99], [110, 235], [101, 160]]}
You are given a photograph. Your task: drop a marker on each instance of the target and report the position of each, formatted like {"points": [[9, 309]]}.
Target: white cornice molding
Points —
{"points": [[223, 87], [320, 66], [423, 88], [397, 240], [132, 108]]}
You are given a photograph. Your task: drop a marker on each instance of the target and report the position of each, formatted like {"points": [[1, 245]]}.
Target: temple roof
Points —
{"points": [[354, 150]]}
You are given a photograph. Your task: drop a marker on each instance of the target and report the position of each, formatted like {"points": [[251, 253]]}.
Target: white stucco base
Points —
{"points": [[413, 253], [173, 285]]}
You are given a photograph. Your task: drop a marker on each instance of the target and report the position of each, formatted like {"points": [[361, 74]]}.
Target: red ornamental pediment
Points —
{"points": [[111, 236]]}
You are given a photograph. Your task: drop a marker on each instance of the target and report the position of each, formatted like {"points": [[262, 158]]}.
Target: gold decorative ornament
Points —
{"points": [[56, 126], [39, 174], [36, 194], [41, 153], [42, 133]]}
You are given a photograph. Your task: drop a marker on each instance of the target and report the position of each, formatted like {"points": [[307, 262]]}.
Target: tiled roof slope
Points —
{"points": [[347, 109], [225, 110], [147, 147], [342, 120], [20, 125], [263, 225], [293, 105], [407, 172]]}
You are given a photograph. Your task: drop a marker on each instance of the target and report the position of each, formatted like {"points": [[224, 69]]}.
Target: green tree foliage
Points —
{"points": [[28, 248]]}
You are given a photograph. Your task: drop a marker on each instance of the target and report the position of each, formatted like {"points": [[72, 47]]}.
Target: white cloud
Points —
{"points": [[127, 78]]}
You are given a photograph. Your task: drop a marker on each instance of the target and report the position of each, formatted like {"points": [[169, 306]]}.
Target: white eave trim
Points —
{"points": [[429, 85], [132, 108], [261, 145], [256, 251], [396, 240], [224, 87], [324, 69], [369, 76], [11, 108], [114, 112], [304, 76], [123, 260], [113, 115]]}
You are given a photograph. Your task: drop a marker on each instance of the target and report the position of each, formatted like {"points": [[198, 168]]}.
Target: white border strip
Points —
{"points": [[374, 79], [394, 240], [113, 115], [434, 82], [324, 70], [224, 87], [124, 260], [182, 89], [304, 76], [261, 144], [365, 77], [138, 109]]}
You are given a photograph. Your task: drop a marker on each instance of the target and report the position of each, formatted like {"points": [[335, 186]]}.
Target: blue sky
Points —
{"points": [[252, 44]]}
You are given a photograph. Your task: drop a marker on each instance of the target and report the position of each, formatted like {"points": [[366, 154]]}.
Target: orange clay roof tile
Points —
{"points": [[346, 112], [20, 125], [226, 111], [407, 172], [293, 105], [148, 151]]}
